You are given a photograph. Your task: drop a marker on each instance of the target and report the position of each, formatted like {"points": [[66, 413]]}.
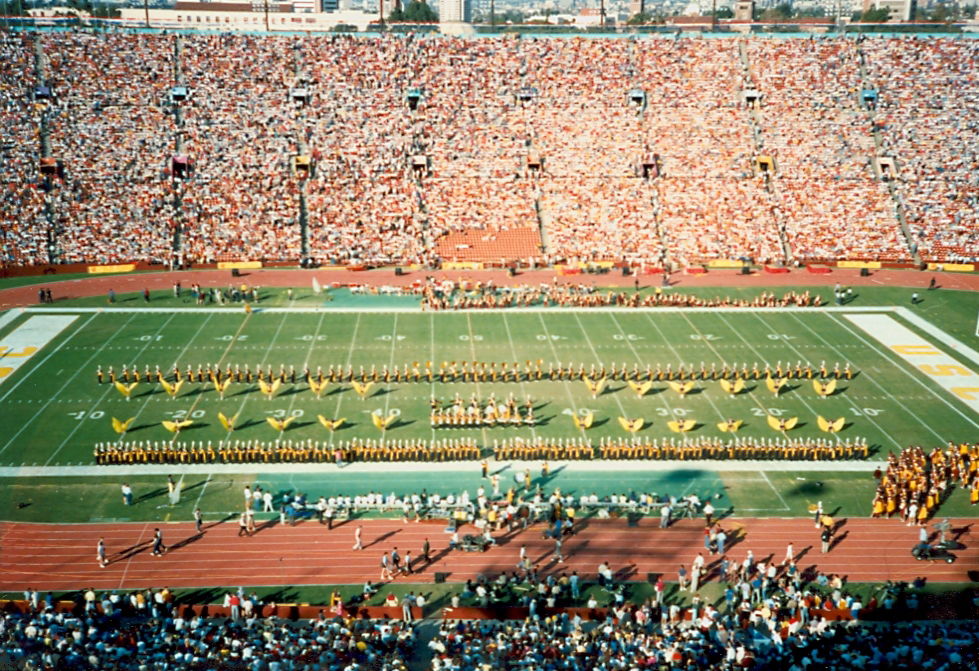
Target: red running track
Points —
{"points": [[63, 556]]}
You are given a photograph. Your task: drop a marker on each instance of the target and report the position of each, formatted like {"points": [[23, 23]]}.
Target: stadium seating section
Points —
{"points": [[637, 151]]}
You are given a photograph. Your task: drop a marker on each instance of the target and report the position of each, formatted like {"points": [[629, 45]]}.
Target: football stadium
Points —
{"points": [[402, 350]]}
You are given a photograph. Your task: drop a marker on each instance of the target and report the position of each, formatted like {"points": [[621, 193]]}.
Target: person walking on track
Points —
{"points": [[158, 547]]}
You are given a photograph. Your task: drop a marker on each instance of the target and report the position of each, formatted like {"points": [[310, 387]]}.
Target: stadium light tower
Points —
{"points": [[146, 8]]}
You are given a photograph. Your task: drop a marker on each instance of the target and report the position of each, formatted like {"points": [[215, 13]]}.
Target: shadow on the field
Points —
{"points": [[600, 422], [695, 391], [611, 390], [187, 541], [250, 422], [294, 390], [338, 390], [380, 539], [838, 391], [808, 489], [398, 423], [200, 596], [151, 495], [299, 425], [383, 392], [626, 572], [194, 486]]}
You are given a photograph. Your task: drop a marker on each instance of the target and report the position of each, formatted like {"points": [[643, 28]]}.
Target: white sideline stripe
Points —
{"points": [[373, 468], [938, 334], [894, 336], [8, 317], [108, 387], [413, 308]]}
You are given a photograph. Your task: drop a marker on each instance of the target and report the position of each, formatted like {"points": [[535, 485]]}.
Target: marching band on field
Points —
{"points": [[466, 371], [466, 449], [284, 451], [475, 413]]}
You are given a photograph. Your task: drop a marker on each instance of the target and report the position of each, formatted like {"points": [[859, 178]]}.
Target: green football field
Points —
{"points": [[54, 411]]}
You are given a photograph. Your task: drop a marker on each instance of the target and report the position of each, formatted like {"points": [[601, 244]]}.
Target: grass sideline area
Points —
{"points": [[97, 499], [57, 412]]}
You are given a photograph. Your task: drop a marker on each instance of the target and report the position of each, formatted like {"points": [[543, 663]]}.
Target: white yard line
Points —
{"points": [[350, 357], [197, 503], [864, 373], [108, 388], [139, 541], [598, 359], [567, 385], [309, 354], [431, 322], [479, 389], [261, 363], [55, 351], [523, 384], [67, 382], [387, 387], [149, 397], [801, 357], [677, 355], [662, 394], [774, 489], [707, 342]]}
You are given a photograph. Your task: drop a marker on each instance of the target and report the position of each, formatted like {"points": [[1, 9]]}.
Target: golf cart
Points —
{"points": [[923, 551]]}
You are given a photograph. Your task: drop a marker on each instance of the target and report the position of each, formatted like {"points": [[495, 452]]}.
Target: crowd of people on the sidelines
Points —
{"points": [[503, 132], [762, 637], [145, 630], [916, 483]]}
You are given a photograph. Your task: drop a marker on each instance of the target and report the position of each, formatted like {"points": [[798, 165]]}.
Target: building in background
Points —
{"points": [[455, 11], [901, 10]]}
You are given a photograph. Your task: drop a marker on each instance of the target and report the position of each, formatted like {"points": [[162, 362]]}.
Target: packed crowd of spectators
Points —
{"points": [[146, 630], [110, 126], [813, 125], [23, 225], [500, 135], [929, 119], [768, 636]]}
